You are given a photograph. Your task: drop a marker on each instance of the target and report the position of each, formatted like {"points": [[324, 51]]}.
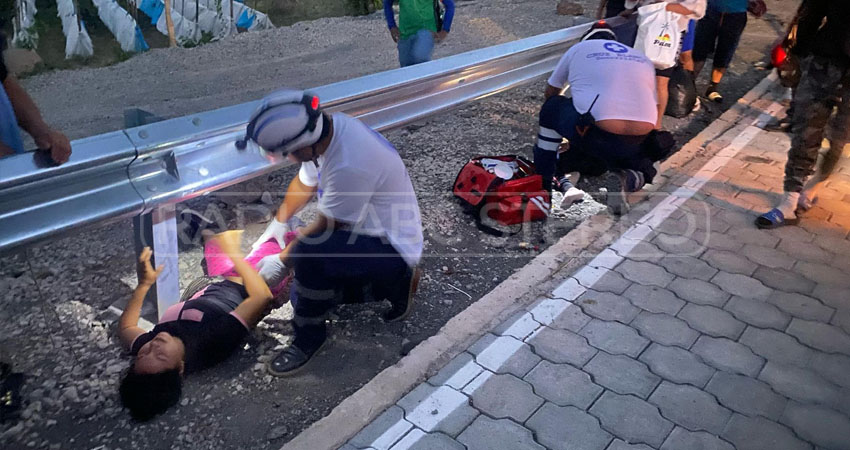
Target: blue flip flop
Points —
{"points": [[774, 219]]}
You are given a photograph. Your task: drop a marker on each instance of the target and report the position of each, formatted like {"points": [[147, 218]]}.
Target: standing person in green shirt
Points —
{"points": [[417, 28]]}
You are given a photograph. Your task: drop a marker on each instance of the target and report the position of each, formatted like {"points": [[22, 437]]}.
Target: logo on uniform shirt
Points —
{"points": [[615, 47]]}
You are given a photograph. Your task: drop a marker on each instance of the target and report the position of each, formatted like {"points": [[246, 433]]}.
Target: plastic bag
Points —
{"points": [[683, 93], [658, 35]]}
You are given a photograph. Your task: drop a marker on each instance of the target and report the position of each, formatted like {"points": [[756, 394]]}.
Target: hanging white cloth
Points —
{"points": [[25, 35], [121, 24], [77, 40]]}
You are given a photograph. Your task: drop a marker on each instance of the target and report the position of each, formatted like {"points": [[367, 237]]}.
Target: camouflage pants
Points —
{"points": [[824, 88]]}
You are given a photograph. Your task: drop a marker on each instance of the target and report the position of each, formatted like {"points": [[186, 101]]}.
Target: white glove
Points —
{"points": [[272, 269], [276, 230]]}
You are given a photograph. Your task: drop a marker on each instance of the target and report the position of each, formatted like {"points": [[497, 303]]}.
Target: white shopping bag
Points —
{"points": [[658, 34]]}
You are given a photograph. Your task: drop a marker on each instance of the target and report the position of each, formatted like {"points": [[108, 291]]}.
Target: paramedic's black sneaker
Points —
{"points": [[290, 360], [401, 299], [612, 193]]}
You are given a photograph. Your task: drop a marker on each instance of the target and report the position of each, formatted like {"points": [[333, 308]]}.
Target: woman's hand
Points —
{"points": [[144, 270]]}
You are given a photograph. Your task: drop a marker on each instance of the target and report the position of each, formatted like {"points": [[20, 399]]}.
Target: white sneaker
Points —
{"points": [[572, 196]]}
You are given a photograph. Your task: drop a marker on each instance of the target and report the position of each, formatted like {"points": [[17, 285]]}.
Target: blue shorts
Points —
{"points": [[688, 38]]}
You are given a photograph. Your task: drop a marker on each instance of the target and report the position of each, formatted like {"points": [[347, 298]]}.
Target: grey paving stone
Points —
{"points": [[698, 291], [645, 251], [776, 346], [712, 321], [545, 310], [746, 395], [504, 354], [792, 234], [741, 285], [834, 296], [753, 236], [678, 245], [758, 433], [690, 407], [768, 257], [607, 306], [677, 365], [823, 273], [573, 319], [825, 427], [611, 281], [804, 250], [563, 385], [622, 374], [488, 434], [728, 261], [758, 313], [614, 337], [688, 267], [731, 356], [458, 372], [567, 428], [654, 299], [384, 431], [520, 326], [802, 306], [784, 280], [843, 402], [834, 368], [506, 397], [821, 336], [841, 319], [719, 241], [665, 329], [682, 439], [799, 384], [437, 409], [645, 273], [618, 444], [631, 419], [562, 346], [417, 439]]}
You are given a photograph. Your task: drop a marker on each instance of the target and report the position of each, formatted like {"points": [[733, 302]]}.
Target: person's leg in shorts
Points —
{"points": [[662, 80], [731, 28], [686, 57]]}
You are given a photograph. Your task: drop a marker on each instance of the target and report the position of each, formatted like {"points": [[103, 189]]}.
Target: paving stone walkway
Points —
{"points": [[692, 331]]}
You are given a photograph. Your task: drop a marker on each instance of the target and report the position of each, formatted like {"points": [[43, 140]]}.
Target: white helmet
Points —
{"points": [[286, 121]]}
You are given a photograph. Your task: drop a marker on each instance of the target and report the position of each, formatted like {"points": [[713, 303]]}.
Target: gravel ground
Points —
{"points": [[53, 320]]}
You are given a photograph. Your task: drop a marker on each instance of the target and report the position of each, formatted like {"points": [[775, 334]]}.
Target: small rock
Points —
{"points": [[89, 410], [184, 402], [568, 8], [70, 393], [277, 433]]}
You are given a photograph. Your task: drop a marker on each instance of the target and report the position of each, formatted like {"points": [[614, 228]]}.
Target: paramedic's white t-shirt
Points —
{"points": [[623, 78], [362, 181]]}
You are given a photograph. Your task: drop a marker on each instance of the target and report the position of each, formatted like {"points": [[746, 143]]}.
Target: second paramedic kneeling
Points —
{"points": [[607, 120], [367, 234]]}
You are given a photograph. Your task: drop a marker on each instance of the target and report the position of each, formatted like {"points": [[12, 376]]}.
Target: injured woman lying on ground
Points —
{"points": [[197, 333]]}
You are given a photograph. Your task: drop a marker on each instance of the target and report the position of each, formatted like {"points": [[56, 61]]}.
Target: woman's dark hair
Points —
{"points": [[147, 395]]}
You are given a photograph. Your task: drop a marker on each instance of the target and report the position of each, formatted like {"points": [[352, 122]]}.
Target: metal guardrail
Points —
{"points": [[144, 171]]}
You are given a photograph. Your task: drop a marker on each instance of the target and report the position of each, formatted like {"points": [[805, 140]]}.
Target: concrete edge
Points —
{"points": [[516, 292]]}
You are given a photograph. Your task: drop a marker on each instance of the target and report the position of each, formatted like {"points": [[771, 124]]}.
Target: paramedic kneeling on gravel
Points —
{"points": [[610, 114], [368, 230]]}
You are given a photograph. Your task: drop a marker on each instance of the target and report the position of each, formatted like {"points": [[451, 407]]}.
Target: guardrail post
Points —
{"points": [[158, 230]]}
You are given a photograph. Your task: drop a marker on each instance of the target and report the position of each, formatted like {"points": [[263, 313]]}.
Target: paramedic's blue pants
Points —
{"points": [[592, 151], [325, 265]]}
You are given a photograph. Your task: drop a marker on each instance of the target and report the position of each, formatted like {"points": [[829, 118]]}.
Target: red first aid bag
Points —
{"points": [[503, 188]]}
